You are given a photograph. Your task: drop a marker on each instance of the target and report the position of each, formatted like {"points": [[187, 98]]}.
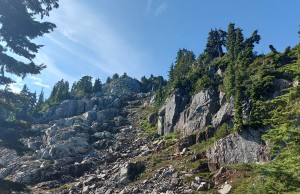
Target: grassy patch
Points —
{"points": [[149, 130]]}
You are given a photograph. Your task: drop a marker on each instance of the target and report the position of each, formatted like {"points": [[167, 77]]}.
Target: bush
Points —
{"points": [[223, 131]]}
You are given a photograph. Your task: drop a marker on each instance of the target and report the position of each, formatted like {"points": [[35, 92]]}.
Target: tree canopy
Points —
{"points": [[19, 26]]}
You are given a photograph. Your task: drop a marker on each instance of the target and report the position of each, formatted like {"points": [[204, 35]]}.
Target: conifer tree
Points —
{"points": [[171, 73], [238, 44], [97, 86], [230, 40], [18, 27]]}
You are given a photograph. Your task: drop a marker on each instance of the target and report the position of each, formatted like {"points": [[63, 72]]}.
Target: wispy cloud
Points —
{"points": [[39, 82], [92, 38], [161, 9], [52, 71], [149, 6], [155, 9], [18, 85]]}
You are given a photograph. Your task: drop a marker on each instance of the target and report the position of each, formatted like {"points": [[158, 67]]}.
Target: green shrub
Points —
{"points": [[223, 131]]}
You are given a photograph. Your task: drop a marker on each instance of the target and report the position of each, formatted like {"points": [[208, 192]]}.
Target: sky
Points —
{"points": [[141, 37]]}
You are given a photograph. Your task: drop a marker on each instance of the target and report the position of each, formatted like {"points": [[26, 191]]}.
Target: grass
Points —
{"points": [[149, 130]]}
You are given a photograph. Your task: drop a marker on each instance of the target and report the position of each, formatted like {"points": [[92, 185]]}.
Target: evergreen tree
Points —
{"points": [[230, 40], [215, 41], [159, 93], [171, 73], [60, 92], [97, 86], [108, 80], [39, 105], [115, 76], [25, 90], [238, 44], [124, 75], [18, 26], [41, 99]]}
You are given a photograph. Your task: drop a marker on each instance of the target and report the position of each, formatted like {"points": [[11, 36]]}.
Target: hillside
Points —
{"points": [[226, 122]]}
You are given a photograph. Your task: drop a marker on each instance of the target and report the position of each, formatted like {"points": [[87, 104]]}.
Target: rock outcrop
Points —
{"points": [[169, 113], [198, 113], [225, 113], [244, 147]]}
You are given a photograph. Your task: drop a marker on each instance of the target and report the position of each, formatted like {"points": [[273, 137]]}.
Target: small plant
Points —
{"points": [[148, 129], [223, 131], [172, 138]]}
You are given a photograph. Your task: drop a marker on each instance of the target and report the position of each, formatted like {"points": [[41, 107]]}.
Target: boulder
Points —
{"points": [[225, 189], [129, 172], [244, 147], [90, 116], [72, 147]]}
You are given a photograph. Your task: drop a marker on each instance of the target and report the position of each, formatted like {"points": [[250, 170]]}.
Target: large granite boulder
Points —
{"points": [[244, 147]]}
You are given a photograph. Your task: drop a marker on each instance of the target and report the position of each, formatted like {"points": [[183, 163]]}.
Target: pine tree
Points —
{"points": [[41, 99], [97, 86], [230, 40], [18, 26], [108, 80], [238, 44], [171, 73], [215, 41], [115, 76], [60, 92], [25, 90]]}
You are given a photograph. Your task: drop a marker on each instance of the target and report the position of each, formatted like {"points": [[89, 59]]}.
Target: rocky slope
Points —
{"points": [[97, 145]]}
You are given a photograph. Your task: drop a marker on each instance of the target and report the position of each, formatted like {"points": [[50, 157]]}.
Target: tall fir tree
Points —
{"points": [[238, 44], [230, 40]]}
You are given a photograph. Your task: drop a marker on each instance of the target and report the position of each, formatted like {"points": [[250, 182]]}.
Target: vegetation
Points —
{"points": [[18, 27], [250, 79], [254, 80]]}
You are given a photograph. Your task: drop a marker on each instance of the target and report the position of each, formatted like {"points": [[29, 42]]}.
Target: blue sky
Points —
{"points": [[142, 37]]}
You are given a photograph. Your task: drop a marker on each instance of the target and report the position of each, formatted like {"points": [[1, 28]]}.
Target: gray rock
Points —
{"points": [[67, 108], [245, 147], [90, 116], [80, 107], [225, 189], [72, 147], [130, 172], [198, 113], [171, 111], [117, 103], [225, 112], [160, 125]]}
